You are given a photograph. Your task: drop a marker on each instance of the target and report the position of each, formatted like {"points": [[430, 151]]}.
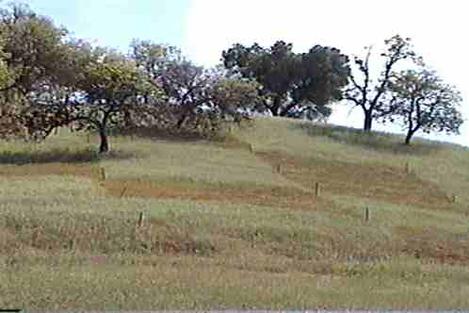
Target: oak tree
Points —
{"points": [[368, 92], [291, 82], [423, 102]]}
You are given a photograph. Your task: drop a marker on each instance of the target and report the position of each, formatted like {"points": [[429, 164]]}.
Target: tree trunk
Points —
{"points": [[368, 121], [410, 134], [275, 108], [287, 109], [408, 138], [104, 145], [411, 129], [181, 121]]}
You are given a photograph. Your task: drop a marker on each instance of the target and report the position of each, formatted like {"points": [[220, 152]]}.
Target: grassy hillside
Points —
{"points": [[235, 223]]}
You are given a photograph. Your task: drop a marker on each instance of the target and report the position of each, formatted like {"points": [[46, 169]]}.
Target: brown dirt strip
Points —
{"points": [[265, 196], [375, 182], [65, 169], [359, 180]]}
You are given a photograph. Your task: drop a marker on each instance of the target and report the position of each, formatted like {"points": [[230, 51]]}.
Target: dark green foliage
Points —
{"points": [[53, 156], [194, 98], [34, 48], [108, 90], [49, 80], [292, 83], [33, 55]]}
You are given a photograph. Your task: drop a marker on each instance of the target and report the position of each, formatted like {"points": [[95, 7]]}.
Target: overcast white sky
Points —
{"points": [[438, 29]]}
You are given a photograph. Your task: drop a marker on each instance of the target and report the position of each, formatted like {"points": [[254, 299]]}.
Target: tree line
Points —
{"points": [[49, 80]]}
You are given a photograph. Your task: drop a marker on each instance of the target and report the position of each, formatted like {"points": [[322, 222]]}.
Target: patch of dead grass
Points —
{"points": [[375, 182], [263, 196], [101, 236], [66, 169], [435, 244]]}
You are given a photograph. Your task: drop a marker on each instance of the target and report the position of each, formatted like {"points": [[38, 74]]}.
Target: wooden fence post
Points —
{"points": [[102, 173], [123, 192], [408, 169], [278, 168], [367, 214], [317, 190], [141, 219]]}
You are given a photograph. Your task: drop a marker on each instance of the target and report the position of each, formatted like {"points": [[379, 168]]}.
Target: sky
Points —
{"points": [[203, 28], [116, 23]]}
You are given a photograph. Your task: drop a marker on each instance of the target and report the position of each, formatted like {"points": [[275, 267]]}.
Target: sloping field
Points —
{"points": [[192, 224]]}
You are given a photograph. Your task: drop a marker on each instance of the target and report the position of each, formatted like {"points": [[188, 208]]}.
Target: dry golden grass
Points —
{"points": [[290, 198], [85, 170], [224, 227], [374, 181]]}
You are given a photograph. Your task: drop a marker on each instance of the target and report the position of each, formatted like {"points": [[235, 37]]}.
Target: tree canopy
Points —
{"points": [[33, 55], [291, 82], [194, 97], [49, 79], [368, 92], [423, 102], [34, 48]]}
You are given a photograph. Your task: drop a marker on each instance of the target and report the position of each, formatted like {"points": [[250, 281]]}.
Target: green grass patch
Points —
{"points": [[234, 223]]}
